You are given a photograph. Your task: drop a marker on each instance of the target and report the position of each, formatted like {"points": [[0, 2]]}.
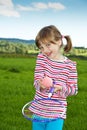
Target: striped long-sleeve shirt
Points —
{"points": [[64, 73]]}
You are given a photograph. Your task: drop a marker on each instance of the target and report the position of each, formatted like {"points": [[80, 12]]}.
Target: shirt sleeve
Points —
{"points": [[71, 87], [39, 70]]}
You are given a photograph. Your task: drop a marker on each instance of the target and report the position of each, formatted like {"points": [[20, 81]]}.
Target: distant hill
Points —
{"points": [[17, 40]]}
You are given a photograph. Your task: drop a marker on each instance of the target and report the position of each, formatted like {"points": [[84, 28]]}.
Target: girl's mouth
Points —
{"points": [[48, 54]]}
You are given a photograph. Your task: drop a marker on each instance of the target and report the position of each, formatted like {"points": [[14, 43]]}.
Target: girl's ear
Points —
{"points": [[59, 42]]}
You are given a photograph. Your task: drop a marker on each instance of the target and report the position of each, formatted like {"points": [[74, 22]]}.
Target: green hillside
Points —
{"points": [[16, 89]]}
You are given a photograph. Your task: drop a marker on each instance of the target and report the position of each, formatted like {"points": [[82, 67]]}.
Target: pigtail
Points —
{"points": [[68, 46]]}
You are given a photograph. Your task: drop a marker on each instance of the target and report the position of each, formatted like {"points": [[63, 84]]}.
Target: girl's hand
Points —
{"points": [[41, 84], [57, 88]]}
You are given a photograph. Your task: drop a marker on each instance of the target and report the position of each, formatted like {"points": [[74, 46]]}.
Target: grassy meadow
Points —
{"points": [[16, 89]]}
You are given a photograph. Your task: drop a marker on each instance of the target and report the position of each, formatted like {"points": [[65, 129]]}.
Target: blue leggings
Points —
{"points": [[52, 125]]}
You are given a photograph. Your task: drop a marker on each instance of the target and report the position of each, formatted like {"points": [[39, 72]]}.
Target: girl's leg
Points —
{"points": [[55, 125], [38, 126]]}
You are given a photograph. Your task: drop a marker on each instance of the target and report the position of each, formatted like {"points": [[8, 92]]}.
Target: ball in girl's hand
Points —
{"points": [[47, 82]]}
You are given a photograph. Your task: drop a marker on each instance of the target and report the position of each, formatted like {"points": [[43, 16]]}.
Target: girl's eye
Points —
{"points": [[48, 44], [40, 47]]}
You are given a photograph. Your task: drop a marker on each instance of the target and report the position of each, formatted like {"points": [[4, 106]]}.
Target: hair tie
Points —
{"points": [[63, 36]]}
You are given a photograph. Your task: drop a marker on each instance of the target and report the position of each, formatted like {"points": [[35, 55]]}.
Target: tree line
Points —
{"points": [[17, 48], [23, 48]]}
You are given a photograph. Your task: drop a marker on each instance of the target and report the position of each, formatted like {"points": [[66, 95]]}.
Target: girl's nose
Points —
{"points": [[45, 50]]}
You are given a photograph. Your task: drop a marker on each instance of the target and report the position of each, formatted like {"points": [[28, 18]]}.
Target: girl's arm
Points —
{"points": [[39, 71], [71, 87]]}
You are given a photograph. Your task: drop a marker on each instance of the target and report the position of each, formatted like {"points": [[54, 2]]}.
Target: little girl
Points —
{"points": [[53, 64]]}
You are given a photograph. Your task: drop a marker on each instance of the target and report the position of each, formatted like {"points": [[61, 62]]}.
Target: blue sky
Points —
{"points": [[24, 18]]}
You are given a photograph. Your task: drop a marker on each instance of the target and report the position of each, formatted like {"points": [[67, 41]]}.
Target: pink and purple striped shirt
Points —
{"points": [[64, 73]]}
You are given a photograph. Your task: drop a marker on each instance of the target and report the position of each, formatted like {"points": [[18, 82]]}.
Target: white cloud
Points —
{"points": [[56, 6], [7, 8], [33, 7], [7, 3], [42, 6], [24, 8]]}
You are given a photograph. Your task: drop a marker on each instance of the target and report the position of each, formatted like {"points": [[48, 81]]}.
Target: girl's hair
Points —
{"points": [[52, 34]]}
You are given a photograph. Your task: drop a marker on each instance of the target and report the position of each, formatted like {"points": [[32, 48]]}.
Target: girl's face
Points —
{"points": [[51, 50]]}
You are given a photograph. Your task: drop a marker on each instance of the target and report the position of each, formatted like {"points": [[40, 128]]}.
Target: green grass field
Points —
{"points": [[16, 88]]}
